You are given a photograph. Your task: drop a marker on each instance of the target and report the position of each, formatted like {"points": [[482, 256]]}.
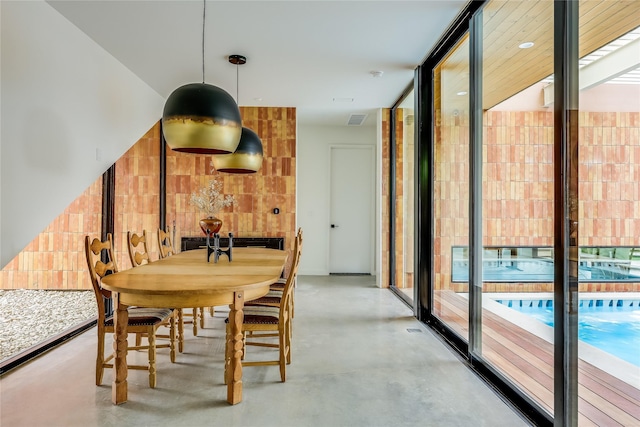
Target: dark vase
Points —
{"points": [[210, 225]]}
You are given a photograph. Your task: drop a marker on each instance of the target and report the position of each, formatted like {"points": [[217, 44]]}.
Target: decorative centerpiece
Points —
{"points": [[210, 200]]}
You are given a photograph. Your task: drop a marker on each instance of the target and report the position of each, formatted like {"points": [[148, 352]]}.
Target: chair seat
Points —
{"points": [[263, 315], [139, 316], [279, 284], [266, 300]]}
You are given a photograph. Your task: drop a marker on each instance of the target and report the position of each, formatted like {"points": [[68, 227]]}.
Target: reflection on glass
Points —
{"points": [[608, 206], [404, 195], [517, 211], [451, 184]]}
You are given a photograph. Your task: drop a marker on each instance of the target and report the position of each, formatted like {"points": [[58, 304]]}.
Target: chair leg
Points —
{"points": [[195, 321], [100, 357], [211, 311], [287, 338], [180, 330], [152, 358], [172, 337], [283, 363]]}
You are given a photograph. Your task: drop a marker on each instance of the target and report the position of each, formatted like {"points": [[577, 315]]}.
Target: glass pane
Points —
{"points": [[451, 188], [45, 291], [404, 195], [608, 210], [517, 212]]}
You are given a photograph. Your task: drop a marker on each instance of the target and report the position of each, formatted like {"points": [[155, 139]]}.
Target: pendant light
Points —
{"points": [[201, 118], [247, 158]]}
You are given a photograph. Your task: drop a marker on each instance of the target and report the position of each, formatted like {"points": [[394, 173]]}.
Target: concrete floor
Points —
{"points": [[354, 364]]}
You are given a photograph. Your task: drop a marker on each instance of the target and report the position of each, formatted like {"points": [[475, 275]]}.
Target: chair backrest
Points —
{"points": [[287, 292], [165, 245], [138, 248], [96, 251]]}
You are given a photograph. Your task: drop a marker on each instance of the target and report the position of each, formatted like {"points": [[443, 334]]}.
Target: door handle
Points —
{"points": [[334, 226]]}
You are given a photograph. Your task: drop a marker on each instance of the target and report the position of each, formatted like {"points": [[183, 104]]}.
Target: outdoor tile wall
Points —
{"points": [[399, 205], [137, 195], [451, 194], [385, 235], [518, 188], [55, 259]]}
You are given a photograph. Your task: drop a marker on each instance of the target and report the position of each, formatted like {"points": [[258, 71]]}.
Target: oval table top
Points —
{"points": [[187, 280]]}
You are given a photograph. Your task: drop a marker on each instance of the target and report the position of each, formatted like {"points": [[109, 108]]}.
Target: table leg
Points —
{"points": [[120, 321], [236, 317]]}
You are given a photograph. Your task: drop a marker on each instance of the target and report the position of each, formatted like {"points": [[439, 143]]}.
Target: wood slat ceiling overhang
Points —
{"points": [[507, 69]]}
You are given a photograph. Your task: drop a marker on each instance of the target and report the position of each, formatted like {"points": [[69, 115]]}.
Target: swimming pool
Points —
{"points": [[612, 326]]}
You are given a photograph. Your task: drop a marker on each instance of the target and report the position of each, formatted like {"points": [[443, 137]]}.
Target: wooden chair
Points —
{"points": [[275, 293], [138, 254], [165, 247], [138, 248], [141, 320], [275, 321]]}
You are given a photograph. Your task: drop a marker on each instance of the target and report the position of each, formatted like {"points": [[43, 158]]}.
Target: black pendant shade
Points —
{"points": [[246, 159], [203, 119]]}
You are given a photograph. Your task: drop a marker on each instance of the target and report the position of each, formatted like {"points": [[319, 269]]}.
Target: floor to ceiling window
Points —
{"points": [[404, 155], [517, 192], [542, 193], [609, 211], [451, 188]]}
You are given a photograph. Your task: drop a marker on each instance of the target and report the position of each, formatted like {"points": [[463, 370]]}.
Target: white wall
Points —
{"points": [[68, 111], [313, 188]]}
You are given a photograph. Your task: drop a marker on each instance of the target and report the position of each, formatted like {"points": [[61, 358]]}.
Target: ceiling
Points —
{"points": [[317, 56], [508, 69]]}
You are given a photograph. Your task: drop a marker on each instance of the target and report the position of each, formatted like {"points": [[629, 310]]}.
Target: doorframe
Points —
{"points": [[372, 210]]}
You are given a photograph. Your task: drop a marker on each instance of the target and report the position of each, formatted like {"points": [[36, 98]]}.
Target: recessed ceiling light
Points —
{"points": [[377, 73], [462, 93], [257, 99], [342, 99], [525, 45]]}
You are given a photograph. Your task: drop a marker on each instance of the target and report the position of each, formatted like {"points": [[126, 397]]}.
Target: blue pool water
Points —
{"points": [[614, 329]]}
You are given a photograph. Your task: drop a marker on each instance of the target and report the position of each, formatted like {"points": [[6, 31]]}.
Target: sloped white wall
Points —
{"points": [[313, 188], [68, 111]]}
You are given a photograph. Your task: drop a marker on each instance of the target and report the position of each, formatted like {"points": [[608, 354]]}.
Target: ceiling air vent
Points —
{"points": [[356, 119]]}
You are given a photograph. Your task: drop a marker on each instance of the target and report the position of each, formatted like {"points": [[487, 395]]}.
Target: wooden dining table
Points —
{"points": [[187, 280]]}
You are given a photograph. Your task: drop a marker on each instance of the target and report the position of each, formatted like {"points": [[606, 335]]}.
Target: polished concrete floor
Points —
{"points": [[359, 359]]}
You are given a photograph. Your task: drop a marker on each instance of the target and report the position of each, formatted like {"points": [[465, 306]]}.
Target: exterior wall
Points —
{"points": [[398, 182], [137, 195], [55, 258], [451, 194], [518, 188], [385, 214]]}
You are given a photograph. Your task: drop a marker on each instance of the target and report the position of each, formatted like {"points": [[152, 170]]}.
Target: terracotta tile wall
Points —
{"points": [[451, 194], [137, 195], [256, 194], [409, 195], [399, 201], [384, 238], [518, 188], [55, 259]]}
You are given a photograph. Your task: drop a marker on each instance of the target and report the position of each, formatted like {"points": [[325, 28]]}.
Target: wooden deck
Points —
{"points": [[527, 359]]}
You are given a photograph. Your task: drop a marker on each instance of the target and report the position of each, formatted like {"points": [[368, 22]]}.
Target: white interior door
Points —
{"points": [[352, 209]]}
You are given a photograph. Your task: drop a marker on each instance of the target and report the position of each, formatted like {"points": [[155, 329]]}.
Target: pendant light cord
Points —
{"points": [[237, 84], [204, 14]]}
